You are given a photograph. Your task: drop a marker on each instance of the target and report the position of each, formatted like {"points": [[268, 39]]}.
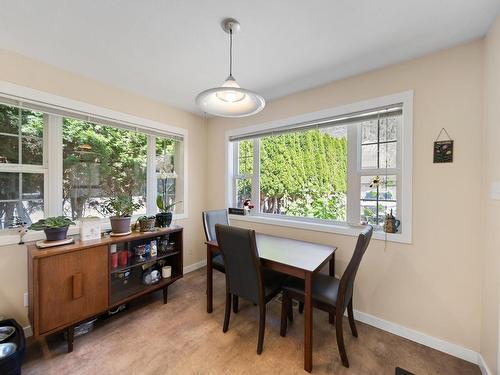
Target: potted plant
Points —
{"points": [[55, 228], [164, 217], [146, 223], [121, 209]]}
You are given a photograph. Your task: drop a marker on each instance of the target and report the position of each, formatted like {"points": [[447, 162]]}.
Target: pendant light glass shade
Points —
{"points": [[230, 100]]}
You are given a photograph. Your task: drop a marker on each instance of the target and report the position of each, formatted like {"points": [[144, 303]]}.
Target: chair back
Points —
{"points": [[210, 218], [346, 286], [242, 262]]}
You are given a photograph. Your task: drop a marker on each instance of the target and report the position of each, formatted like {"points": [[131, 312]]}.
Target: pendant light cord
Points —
{"points": [[230, 52]]}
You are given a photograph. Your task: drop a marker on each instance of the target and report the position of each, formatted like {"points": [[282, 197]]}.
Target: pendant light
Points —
{"points": [[230, 100]]}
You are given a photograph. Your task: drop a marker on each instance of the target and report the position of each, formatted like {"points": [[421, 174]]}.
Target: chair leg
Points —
{"points": [[262, 327], [227, 312], [301, 307], [331, 318], [350, 314], [340, 341], [235, 304], [284, 314], [289, 308]]}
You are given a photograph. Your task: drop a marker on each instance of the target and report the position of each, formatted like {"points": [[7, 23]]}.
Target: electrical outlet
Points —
{"points": [[26, 300]]}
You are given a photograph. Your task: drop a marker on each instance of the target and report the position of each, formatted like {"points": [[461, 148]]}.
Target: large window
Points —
{"points": [[343, 169], [99, 160]]}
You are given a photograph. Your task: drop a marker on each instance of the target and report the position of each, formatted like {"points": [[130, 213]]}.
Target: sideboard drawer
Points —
{"points": [[72, 286]]}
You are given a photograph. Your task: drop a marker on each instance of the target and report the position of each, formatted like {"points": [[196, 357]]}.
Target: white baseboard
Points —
{"points": [[485, 370], [419, 337], [195, 266]]}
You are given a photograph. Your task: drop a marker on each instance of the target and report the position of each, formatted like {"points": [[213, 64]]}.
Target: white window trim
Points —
{"points": [[405, 160], [52, 147]]}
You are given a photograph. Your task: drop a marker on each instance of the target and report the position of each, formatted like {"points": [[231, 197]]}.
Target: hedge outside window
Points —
{"points": [[323, 171]]}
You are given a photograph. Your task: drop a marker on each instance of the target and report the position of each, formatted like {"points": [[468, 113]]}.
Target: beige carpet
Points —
{"points": [[181, 338]]}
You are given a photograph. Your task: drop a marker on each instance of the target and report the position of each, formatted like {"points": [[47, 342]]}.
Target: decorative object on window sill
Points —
{"points": [[230, 100], [21, 226], [55, 228], [164, 217], [375, 182], [121, 208], [443, 150], [391, 224], [146, 223], [236, 211], [248, 206], [90, 228]]}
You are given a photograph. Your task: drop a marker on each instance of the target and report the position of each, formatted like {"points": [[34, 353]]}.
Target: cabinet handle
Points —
{"points": [[77, 285]]}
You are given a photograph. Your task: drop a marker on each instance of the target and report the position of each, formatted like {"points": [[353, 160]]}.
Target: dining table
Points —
{"points": [[291, 257]]}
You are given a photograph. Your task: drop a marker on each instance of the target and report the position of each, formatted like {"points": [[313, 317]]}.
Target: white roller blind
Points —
{"points": [[393, 110], [65, 112]]}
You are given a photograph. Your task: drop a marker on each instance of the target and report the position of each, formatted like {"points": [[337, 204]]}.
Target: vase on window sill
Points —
{"points": [[120, 224], [56, 234], [163, 219]]}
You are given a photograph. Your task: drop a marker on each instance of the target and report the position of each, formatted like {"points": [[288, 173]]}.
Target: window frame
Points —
{"points": [[403, 170], [15, 95]]}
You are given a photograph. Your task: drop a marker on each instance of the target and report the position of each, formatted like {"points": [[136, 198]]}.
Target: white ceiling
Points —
{"points": [[171, 50]]}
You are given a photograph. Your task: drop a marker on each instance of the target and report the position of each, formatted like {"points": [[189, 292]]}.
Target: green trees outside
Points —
{"points": [[302, 174], [100, 161]]}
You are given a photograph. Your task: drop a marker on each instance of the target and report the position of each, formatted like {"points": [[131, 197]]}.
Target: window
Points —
{"points": [[22, 171], [63, 163], [341, 169]]}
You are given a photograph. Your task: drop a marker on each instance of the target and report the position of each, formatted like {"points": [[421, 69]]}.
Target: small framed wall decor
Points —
{"points": [[443, 150]]}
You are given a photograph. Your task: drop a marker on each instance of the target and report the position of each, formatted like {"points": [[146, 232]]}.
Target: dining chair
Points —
{"points": [[329, 294], [210, 218], [245, 276]]}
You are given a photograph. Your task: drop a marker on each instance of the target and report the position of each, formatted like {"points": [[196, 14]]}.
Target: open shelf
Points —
{"points": [[125, 294], [133, 262], [126, 282]]}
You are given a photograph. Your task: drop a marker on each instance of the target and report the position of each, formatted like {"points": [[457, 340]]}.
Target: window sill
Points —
{"points": [[11, 237], [343, 229]]}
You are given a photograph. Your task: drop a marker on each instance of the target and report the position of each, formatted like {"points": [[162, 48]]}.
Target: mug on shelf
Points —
{"points": [[123, 258], [114, 260]]}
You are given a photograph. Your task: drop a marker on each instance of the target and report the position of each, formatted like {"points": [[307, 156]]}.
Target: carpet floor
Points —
{"points": [[181, 338]]}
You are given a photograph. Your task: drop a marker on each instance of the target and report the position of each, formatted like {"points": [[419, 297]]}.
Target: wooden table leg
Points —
{"points": [[331, 272], [209, 280], [308, 323]]}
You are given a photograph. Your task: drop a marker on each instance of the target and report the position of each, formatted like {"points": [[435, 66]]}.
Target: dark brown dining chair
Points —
{"points": [[245, 276], [210, 218], [329, 294]]}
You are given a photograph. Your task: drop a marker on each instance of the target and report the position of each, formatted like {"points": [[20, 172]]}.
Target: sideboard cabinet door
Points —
{"points": [[72, 287]]}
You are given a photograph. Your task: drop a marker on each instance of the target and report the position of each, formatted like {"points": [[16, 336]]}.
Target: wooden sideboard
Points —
{"points": [[72, 283]]}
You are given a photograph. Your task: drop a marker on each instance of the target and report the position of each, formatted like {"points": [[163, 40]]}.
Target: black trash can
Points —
{"points": [[11, 365]]}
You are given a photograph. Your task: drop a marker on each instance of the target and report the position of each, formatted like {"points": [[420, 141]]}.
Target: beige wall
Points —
{"points": [[432, 285], [491, 172], [26, 72]]}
